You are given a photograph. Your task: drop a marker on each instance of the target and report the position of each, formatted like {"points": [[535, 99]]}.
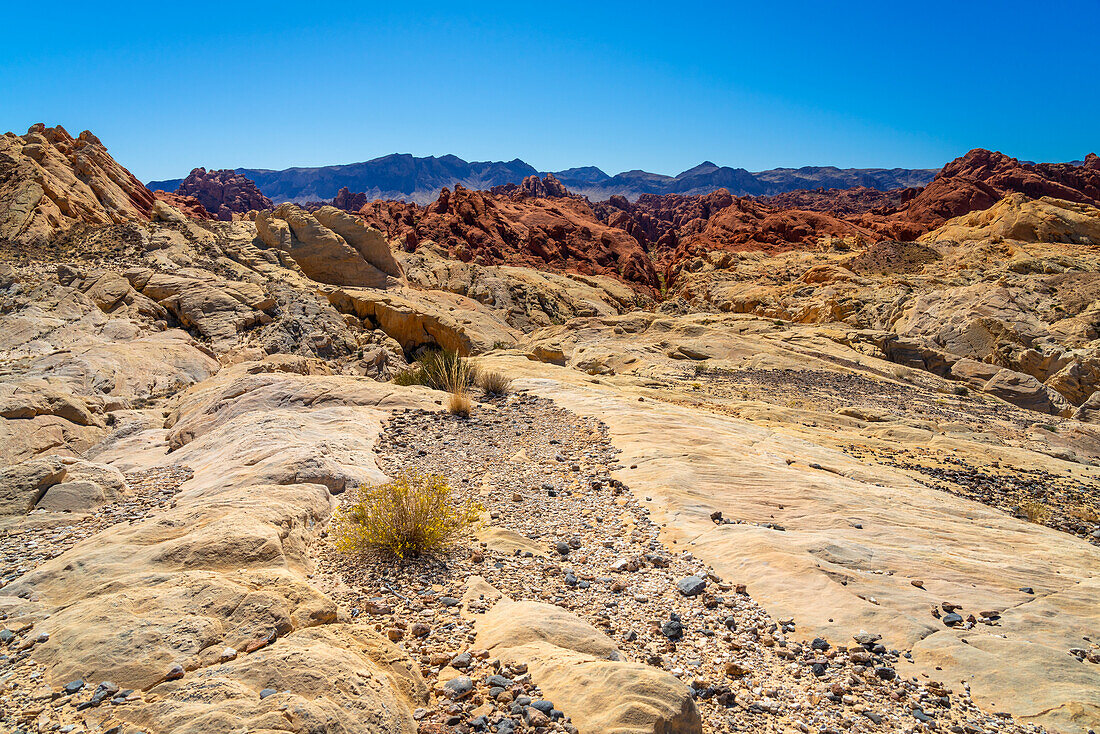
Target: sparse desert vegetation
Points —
{"points": [[411, 516]]}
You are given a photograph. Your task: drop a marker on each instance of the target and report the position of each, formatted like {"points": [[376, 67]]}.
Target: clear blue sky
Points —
{"points": [[658, 86]]}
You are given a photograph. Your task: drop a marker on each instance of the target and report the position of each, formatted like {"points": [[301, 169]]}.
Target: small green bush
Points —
{"points": [[410, 516]]}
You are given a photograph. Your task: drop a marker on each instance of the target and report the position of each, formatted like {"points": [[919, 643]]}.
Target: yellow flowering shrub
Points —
{"points": [[412, 515]]}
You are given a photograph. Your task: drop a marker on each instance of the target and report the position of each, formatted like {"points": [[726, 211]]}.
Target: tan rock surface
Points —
{"points": [[1016, 217], [52, 181], [321, 253], [582, 672], [833, 577], [226, 567]]}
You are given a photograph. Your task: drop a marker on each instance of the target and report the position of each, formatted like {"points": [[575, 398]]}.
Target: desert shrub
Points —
{"points": [[493, 383], [409, 516], [1035, 511], [412, 376], [458, 403], [1084, 513], [439, 370], [701, 369]]}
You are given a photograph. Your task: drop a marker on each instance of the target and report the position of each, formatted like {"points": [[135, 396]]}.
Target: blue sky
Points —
{"points": [[657, 86]]}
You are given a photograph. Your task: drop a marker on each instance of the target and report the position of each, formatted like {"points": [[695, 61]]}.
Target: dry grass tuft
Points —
{"points": [[410, 516], [1035, 511], [493, 383], [439, 370], [458, 403]]}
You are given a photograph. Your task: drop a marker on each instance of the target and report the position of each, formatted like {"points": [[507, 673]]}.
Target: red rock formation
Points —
{"points": [[348, 201], [562, 234], [188, 205], [843, 203], [537, 188], [224, 192], [977, 181]]}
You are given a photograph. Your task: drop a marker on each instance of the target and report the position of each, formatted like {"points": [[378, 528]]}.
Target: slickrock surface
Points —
{"points": [[850, 538], [563, 533]]}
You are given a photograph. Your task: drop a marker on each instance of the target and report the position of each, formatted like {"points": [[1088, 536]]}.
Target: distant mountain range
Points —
{"points": [[407, 178]]}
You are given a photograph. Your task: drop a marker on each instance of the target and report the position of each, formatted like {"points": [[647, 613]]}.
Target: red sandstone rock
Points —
{"points": [[224, 192], [476, 226], [188, 205]]}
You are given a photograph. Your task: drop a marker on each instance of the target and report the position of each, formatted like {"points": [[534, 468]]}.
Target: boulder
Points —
{"points": [[218, 309], [368, 241], [58, 483], [974, 373], [1026, 392], [1089, 411], [322, 254], [582, 672]]}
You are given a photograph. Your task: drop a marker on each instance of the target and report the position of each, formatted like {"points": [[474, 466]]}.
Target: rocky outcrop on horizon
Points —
{"points": [[487, 229], [978, 180], [223, 193]]}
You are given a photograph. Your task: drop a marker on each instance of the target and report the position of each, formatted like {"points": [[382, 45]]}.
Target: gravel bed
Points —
{"points": [[1063, 503], [545, 474]]}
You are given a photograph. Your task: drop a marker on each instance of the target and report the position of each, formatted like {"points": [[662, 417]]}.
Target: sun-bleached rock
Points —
{"points": [[1017, 217], [322, 254], [582, 671], [1026, 392]]}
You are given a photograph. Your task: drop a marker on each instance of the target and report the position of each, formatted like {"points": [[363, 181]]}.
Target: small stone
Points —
{"points": [[174, 673], [535, 718], [395, 634], [820, 643], [449, 601], [1027, 589], [562, 547], [267, 692], [952, 619], [458, 688], [498, 681], [462, 661], [420, 630], [672, 628], [73, 686], [886, 673], [691, 585]]}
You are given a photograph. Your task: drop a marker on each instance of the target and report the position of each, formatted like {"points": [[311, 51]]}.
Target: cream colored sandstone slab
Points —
{"points": [[836, 578]]}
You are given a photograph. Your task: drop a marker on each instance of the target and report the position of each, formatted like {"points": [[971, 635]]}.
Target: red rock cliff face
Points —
{"points": [[224, 192]]}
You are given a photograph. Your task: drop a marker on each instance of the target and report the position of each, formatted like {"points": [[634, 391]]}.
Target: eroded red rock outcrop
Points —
{"points": [[188, 205], [224, 192], [488, 229], [980, 179]]}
